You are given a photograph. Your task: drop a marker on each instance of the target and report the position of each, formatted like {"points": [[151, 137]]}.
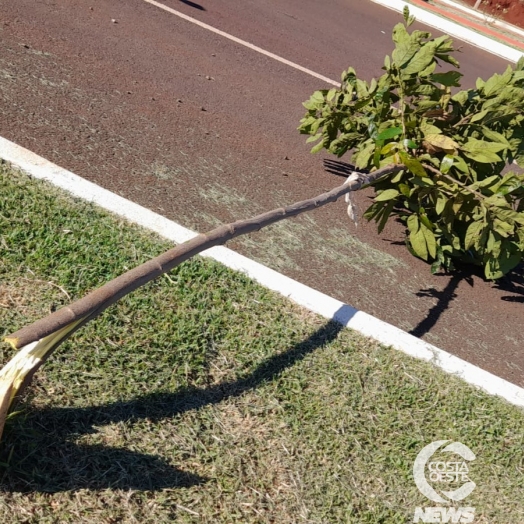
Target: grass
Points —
{"points": [[279, 244], [204, 397]]}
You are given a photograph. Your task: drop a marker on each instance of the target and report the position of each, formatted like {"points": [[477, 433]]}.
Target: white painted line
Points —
{"points": [[303, 295], [456, 30], [242, 42]]}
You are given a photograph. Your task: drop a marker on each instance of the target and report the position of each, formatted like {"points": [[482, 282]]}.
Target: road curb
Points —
{"points": [[488, 19], [313, 300], [434, 17]]}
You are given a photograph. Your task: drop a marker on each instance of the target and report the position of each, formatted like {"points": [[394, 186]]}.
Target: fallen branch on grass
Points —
{"points": [[37, 341]]}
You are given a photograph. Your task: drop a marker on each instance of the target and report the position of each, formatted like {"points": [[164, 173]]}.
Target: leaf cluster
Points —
{"points": [[454, 196]]}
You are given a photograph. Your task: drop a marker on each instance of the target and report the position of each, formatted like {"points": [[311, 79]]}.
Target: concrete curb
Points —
{"points": [[492, 21], [426, 16], [301, 294]]}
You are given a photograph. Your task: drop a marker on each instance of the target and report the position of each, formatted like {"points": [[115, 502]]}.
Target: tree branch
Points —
{"points": [[479, 196], [38, 340]]}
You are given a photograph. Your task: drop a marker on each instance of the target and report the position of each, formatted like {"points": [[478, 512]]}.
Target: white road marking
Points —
{"points": [[243, 42], [314, 300]]}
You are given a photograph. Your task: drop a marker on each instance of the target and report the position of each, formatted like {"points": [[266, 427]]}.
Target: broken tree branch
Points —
{"points": [[37, 341]]}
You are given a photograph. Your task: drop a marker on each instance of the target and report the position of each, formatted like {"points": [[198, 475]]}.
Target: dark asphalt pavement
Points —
{"points": [[203, 130]]}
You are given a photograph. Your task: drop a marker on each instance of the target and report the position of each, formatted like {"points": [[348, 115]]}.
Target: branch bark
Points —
{"points": [[37, 341]]}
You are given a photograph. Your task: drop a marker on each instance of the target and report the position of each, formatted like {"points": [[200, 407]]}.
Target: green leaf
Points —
{"points": [[400, 34], [487, 181], [485, 157], [388, 148], [421, 238], [492, 269], [449, 79], [473, 234], [509, 260], [404, 189], [506, 214], [413, 223], [385, 215], [423, 181], [427, 90], [331, 94], [461, 97], [315, 101], [480, 116], [397, 178], [441, 203], [404, 52], [482, 151], [318, 147], [419, 244], [497, 266], [493, 244], [502, 228], [461, 165], [392, 132], [361, 158], [428, 70], [313, 138], [426, 105], [388, 194], [431, 242], [424, 220], [448, 58], [435, 267], [496, 83], [420, 61], [405, 13], [441, 141], [428, 129], [446, 163], [495, 137], [409, 144], [413, 165], [473, 145]]}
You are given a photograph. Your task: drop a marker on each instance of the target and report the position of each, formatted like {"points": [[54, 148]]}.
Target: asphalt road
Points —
{"points": [[202, 129]]}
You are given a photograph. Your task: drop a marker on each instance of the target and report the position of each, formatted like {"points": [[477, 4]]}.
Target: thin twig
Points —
{"points": [[479, 196]]}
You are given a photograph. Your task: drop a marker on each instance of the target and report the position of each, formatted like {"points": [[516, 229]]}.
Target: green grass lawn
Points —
{"points": [[204, 397]]}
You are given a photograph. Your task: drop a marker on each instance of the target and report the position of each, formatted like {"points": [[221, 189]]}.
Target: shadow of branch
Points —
{"points": [[444, 299], [193, 4], [39, 453], [513, 283], [339, 168]]}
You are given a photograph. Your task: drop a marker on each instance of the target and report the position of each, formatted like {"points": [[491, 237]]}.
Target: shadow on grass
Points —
{"points": [[38, 453]]}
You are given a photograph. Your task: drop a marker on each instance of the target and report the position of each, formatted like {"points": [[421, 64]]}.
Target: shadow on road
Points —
{"points": [[444, 298], [39, 446], [336, 167], [192, 4], [513, 283]]}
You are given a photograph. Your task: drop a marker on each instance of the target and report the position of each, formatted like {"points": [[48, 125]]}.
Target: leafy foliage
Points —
{"points": [[453, 196]]}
